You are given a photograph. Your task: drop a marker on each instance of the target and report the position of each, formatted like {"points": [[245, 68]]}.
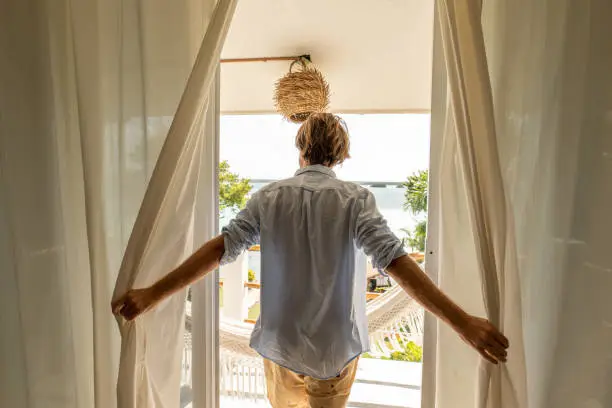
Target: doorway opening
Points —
{"points": [[390, 154], [379, 72]]}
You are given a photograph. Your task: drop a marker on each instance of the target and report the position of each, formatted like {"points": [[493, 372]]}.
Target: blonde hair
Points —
{"points": [[323, 139]]}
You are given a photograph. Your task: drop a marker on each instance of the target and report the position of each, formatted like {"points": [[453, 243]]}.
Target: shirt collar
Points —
{"points": [[317, 168]]}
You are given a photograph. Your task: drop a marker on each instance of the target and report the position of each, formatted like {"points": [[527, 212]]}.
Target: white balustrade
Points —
{"points": [[235, 299]]}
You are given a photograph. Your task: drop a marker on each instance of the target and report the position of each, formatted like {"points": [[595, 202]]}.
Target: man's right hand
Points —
{"points": [[484, 338], [478, 333]]}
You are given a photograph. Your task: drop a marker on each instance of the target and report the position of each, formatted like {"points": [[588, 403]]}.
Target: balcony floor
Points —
{"points": [[379, 384]]}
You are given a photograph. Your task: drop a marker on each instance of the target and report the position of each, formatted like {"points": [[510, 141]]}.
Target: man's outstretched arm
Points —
{"points": [[241, 233], [477, 332], [203, 261], [378, 241]]}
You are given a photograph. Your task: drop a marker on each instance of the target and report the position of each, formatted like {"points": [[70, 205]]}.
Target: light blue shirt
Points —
{"points": [[310, 226]]}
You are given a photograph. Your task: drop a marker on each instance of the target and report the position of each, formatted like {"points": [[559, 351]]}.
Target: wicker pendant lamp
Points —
{"points": [[301, 92]]}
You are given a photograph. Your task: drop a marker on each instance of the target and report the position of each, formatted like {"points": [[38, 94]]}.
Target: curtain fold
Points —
{"points": [[472, 151], [88, 93]]}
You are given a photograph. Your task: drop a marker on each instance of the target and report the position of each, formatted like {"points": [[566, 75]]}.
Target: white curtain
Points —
{"points": [[149, 373], [524, 196], [88, 91]]}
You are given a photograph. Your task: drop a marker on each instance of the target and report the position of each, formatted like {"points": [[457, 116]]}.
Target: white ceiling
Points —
{"points": [[376, 54]]}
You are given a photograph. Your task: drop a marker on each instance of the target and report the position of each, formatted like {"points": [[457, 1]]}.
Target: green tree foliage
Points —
{"points": [[415, 196], [412, 352], [233, 189], [415, 201], [417, 237]]}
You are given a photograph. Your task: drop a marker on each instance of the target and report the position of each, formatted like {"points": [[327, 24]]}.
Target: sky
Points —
{"points": [[386, 147]]}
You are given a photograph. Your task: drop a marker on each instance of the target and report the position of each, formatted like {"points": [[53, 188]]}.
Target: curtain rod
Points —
{"points": [[265, 59]]}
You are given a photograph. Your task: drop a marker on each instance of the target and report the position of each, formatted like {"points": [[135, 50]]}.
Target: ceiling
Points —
{"points": [[375, 54]]}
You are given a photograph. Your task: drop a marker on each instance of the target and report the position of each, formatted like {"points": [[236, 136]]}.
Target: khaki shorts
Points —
{"points": [[287, 389]]}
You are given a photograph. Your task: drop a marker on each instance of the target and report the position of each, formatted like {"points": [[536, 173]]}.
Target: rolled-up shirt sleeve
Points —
{"points": [[373, 235], [242, 232]]}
